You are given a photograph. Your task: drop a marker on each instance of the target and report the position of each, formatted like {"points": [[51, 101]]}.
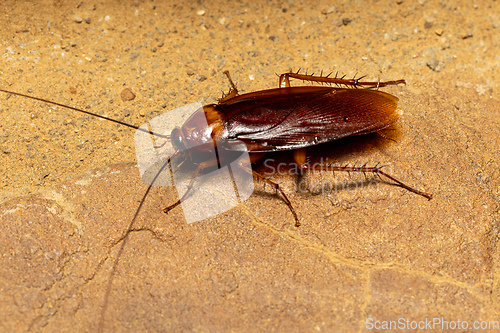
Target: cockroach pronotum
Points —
{"points": [[284, 118]]}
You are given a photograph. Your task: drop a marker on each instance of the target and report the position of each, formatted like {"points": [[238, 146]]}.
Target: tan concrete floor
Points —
{"points": [[69, 261]]}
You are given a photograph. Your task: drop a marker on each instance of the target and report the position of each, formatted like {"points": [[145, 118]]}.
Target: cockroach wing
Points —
{"points": [[290, 118]]}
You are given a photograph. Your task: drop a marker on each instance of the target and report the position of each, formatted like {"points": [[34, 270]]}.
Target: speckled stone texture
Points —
{"points": [[84, 246]]}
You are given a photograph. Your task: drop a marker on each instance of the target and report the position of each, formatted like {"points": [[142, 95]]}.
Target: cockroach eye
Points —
{"points": [[176, 139]]}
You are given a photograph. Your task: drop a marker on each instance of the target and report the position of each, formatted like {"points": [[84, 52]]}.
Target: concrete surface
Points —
{"points": [[81, 253]]}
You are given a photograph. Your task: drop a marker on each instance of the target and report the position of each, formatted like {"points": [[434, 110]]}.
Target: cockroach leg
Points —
{"points": [[428, 196], [284, 80], [376, 170], [169, 208], [277, 188], [201, 166], [300, 157], [253, 159]]}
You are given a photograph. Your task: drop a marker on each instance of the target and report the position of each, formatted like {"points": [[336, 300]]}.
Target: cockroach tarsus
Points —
{"points": [[284, 118]]}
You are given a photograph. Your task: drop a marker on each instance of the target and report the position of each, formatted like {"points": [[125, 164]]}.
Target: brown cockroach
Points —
{"points": [[284, 118]]}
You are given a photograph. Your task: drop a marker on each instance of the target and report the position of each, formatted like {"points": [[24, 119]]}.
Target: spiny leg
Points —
{"points": [[364, 169], [284, 80]]}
